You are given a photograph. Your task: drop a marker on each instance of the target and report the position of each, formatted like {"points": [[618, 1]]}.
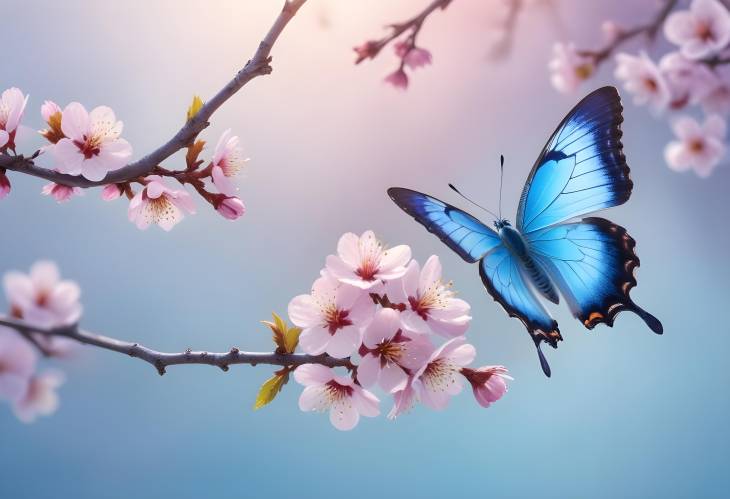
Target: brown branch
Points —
{"points": [[161, 360], [258, 65], [397, 29], [650, 30]]}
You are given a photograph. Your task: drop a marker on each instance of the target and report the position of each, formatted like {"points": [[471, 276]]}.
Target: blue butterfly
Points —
{"points": [[591, 262]]}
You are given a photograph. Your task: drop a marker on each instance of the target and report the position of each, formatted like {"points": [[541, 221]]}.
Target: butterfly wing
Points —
{"points": [[582, 168], [461, 232], [592, 262], [505, 280]]}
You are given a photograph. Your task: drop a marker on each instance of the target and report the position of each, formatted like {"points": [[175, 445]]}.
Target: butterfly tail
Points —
{"points": [[543, 361], [651, 321]]}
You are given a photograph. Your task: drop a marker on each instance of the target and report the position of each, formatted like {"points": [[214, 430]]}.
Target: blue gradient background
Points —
{"points": [[626, 414]]}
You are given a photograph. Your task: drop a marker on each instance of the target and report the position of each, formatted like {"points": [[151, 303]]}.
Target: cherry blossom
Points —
{"points": [[111, 192], [228, 161], [367, 50], [17, 363], [92, 146], [488, 383], [643, 79], [41, 298], [231, 208], [364, 262], [61, 193], [431, 306], [568, 68], [389, 354], [716, 99], [438, 380], [159, 204], [398, 78], [4, 185], [403, 400], [12, 106], [688, 81], [324, 390], [40, 398], [331, 317], [413, 57], [49, 109], [701, 31], [699, 148]]}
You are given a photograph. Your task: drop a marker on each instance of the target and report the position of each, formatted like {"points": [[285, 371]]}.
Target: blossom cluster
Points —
{"points": [[41, 299], [382, 310], [695, 75], [89, 144]]}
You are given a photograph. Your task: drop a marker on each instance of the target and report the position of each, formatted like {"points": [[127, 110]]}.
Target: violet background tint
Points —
{"points": [[626, 414]]}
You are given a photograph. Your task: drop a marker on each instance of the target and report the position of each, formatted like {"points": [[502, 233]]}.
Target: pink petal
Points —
{"points": [[383, 327], [313, 374], [314, 398], [366, 403], [343, 415], [75, 122], [315, 340], [368, 370], [343, 343], [393, 378]]}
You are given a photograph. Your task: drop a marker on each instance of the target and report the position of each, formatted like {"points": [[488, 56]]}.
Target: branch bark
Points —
{"points": [[258, 65], [161, 360]]}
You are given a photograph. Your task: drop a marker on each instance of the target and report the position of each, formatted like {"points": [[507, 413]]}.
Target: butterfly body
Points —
{"points": [[590, 261]]}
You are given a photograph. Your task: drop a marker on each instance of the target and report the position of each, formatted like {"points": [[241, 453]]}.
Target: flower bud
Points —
{"points": [[231, 208]]}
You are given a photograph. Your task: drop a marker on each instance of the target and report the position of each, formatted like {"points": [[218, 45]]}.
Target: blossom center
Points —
{"points": [[438, 375], [697, 146], [335, 319], [16, 312], [389, 351], [584, 71], [41, 299], [651, 84], [703, 30], [436, 296], [337, 392], [367, 270], [89, 147]]}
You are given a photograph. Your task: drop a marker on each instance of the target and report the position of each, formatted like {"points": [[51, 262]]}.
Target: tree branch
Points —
{"points": [[161, 360], [258, 65]]}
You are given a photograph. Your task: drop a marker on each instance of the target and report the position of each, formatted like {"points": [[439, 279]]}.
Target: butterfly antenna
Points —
{"points": [[472, 202], [501, 176]]}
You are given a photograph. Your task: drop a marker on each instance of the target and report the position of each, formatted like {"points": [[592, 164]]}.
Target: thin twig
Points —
{"points": [[258, 65], [161, 360]]}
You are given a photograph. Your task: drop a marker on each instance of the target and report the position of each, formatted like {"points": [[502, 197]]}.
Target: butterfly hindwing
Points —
{"points": [[506, 282], [461, 232], [582, 167], [592, 262]]}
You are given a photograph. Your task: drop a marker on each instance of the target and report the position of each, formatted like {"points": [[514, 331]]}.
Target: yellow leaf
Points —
{"points": [[271, 388], [194, 107], [191, 158], [291, 339]]}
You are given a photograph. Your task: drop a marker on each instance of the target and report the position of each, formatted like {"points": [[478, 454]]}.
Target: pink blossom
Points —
{"points": [[364, 262], [41, 298], [111, 192], [431, 306], [331, 317], [158, 204], [701, 31], [398, 78], [643, 79], [611, 31], [404, 400], [12, 106], [61, 193], [488, 383], [40, 398], [699, 148], [717, 97], [438, 380], [228, 161], [345, 400], [568, 68], [231, 208], [4, 185], [689, 81], [389, 354], [17, 363], [49, 109], [413, 57], [92, 146]]}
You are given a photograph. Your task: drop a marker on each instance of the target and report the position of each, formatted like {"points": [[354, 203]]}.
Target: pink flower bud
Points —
{"points": [[61, 193], [398, 78], [4, 185], [231, 208], [367, 50], [111, 192], [48, 109]]}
